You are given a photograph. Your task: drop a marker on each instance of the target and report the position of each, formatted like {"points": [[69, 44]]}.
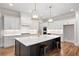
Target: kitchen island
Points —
{"points": [[31, 46]]}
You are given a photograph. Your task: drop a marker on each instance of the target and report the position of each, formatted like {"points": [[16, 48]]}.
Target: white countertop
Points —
{"points": [[27, 41], [11, 32]]}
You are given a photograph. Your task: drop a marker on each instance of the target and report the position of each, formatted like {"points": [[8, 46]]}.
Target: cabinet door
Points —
{"points": [[24, 50], [11, 22], [21, 50], [35, 50], [17, 48]]}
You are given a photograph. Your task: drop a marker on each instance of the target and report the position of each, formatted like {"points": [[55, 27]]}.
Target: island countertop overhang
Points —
{"points": [[31, 40]]}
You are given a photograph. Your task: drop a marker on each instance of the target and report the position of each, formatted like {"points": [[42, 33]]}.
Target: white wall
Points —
{"points": [[77, 28]]}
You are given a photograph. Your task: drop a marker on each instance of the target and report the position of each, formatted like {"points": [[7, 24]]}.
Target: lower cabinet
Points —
{"points": [[35, 50], [17, 48], [22, 50], [56, 43]]}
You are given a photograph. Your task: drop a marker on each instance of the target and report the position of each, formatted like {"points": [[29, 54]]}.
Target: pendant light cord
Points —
{"points": [[50, 10], [35, 6]]}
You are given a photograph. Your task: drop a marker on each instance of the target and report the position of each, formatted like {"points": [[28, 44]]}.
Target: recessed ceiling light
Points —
{"points": [[11, 4]]}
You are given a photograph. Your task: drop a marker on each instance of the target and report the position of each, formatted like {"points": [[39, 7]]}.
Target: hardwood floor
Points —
{"points": [[67, 49], [7, 51]]}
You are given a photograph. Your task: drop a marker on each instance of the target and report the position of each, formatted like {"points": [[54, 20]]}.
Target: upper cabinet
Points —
{"points": [[11, 22], [25, 20], [11, 19]]}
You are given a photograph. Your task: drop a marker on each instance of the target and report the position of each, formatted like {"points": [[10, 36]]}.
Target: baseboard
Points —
{"points": [[69, 41], [76, 44]]}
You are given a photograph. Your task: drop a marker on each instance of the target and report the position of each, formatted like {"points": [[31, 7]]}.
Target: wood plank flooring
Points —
{"points": [[7, 51], [67, 49]]}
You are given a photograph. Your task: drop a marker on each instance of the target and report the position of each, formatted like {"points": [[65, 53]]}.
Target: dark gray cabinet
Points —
{"points": [[22, 50], [34, 50], [17, 48]]}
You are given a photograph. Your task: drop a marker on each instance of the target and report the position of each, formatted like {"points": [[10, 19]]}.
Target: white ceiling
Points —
{"points": [[42, 8]]}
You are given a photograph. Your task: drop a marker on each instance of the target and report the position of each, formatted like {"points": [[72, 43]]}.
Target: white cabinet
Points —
{"points": [[28, 25], [9, 27], [11, 22], [25, 20]]}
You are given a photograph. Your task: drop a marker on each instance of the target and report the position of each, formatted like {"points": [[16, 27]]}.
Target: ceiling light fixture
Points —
{"points": [[72, 10], [10, 4], [35, 16], [34, 13], [50, 18]]}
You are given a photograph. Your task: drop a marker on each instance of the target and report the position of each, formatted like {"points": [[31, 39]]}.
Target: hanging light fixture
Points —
{"points": [[34, 13], [50, 18], [11, 4]]}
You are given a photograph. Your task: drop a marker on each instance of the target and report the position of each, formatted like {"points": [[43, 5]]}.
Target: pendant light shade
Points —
{"points": [[50, 18], [34, 13], [35, 16]]}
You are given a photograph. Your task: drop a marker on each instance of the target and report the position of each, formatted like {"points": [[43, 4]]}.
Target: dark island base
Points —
{"points": [[35, 50]]}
